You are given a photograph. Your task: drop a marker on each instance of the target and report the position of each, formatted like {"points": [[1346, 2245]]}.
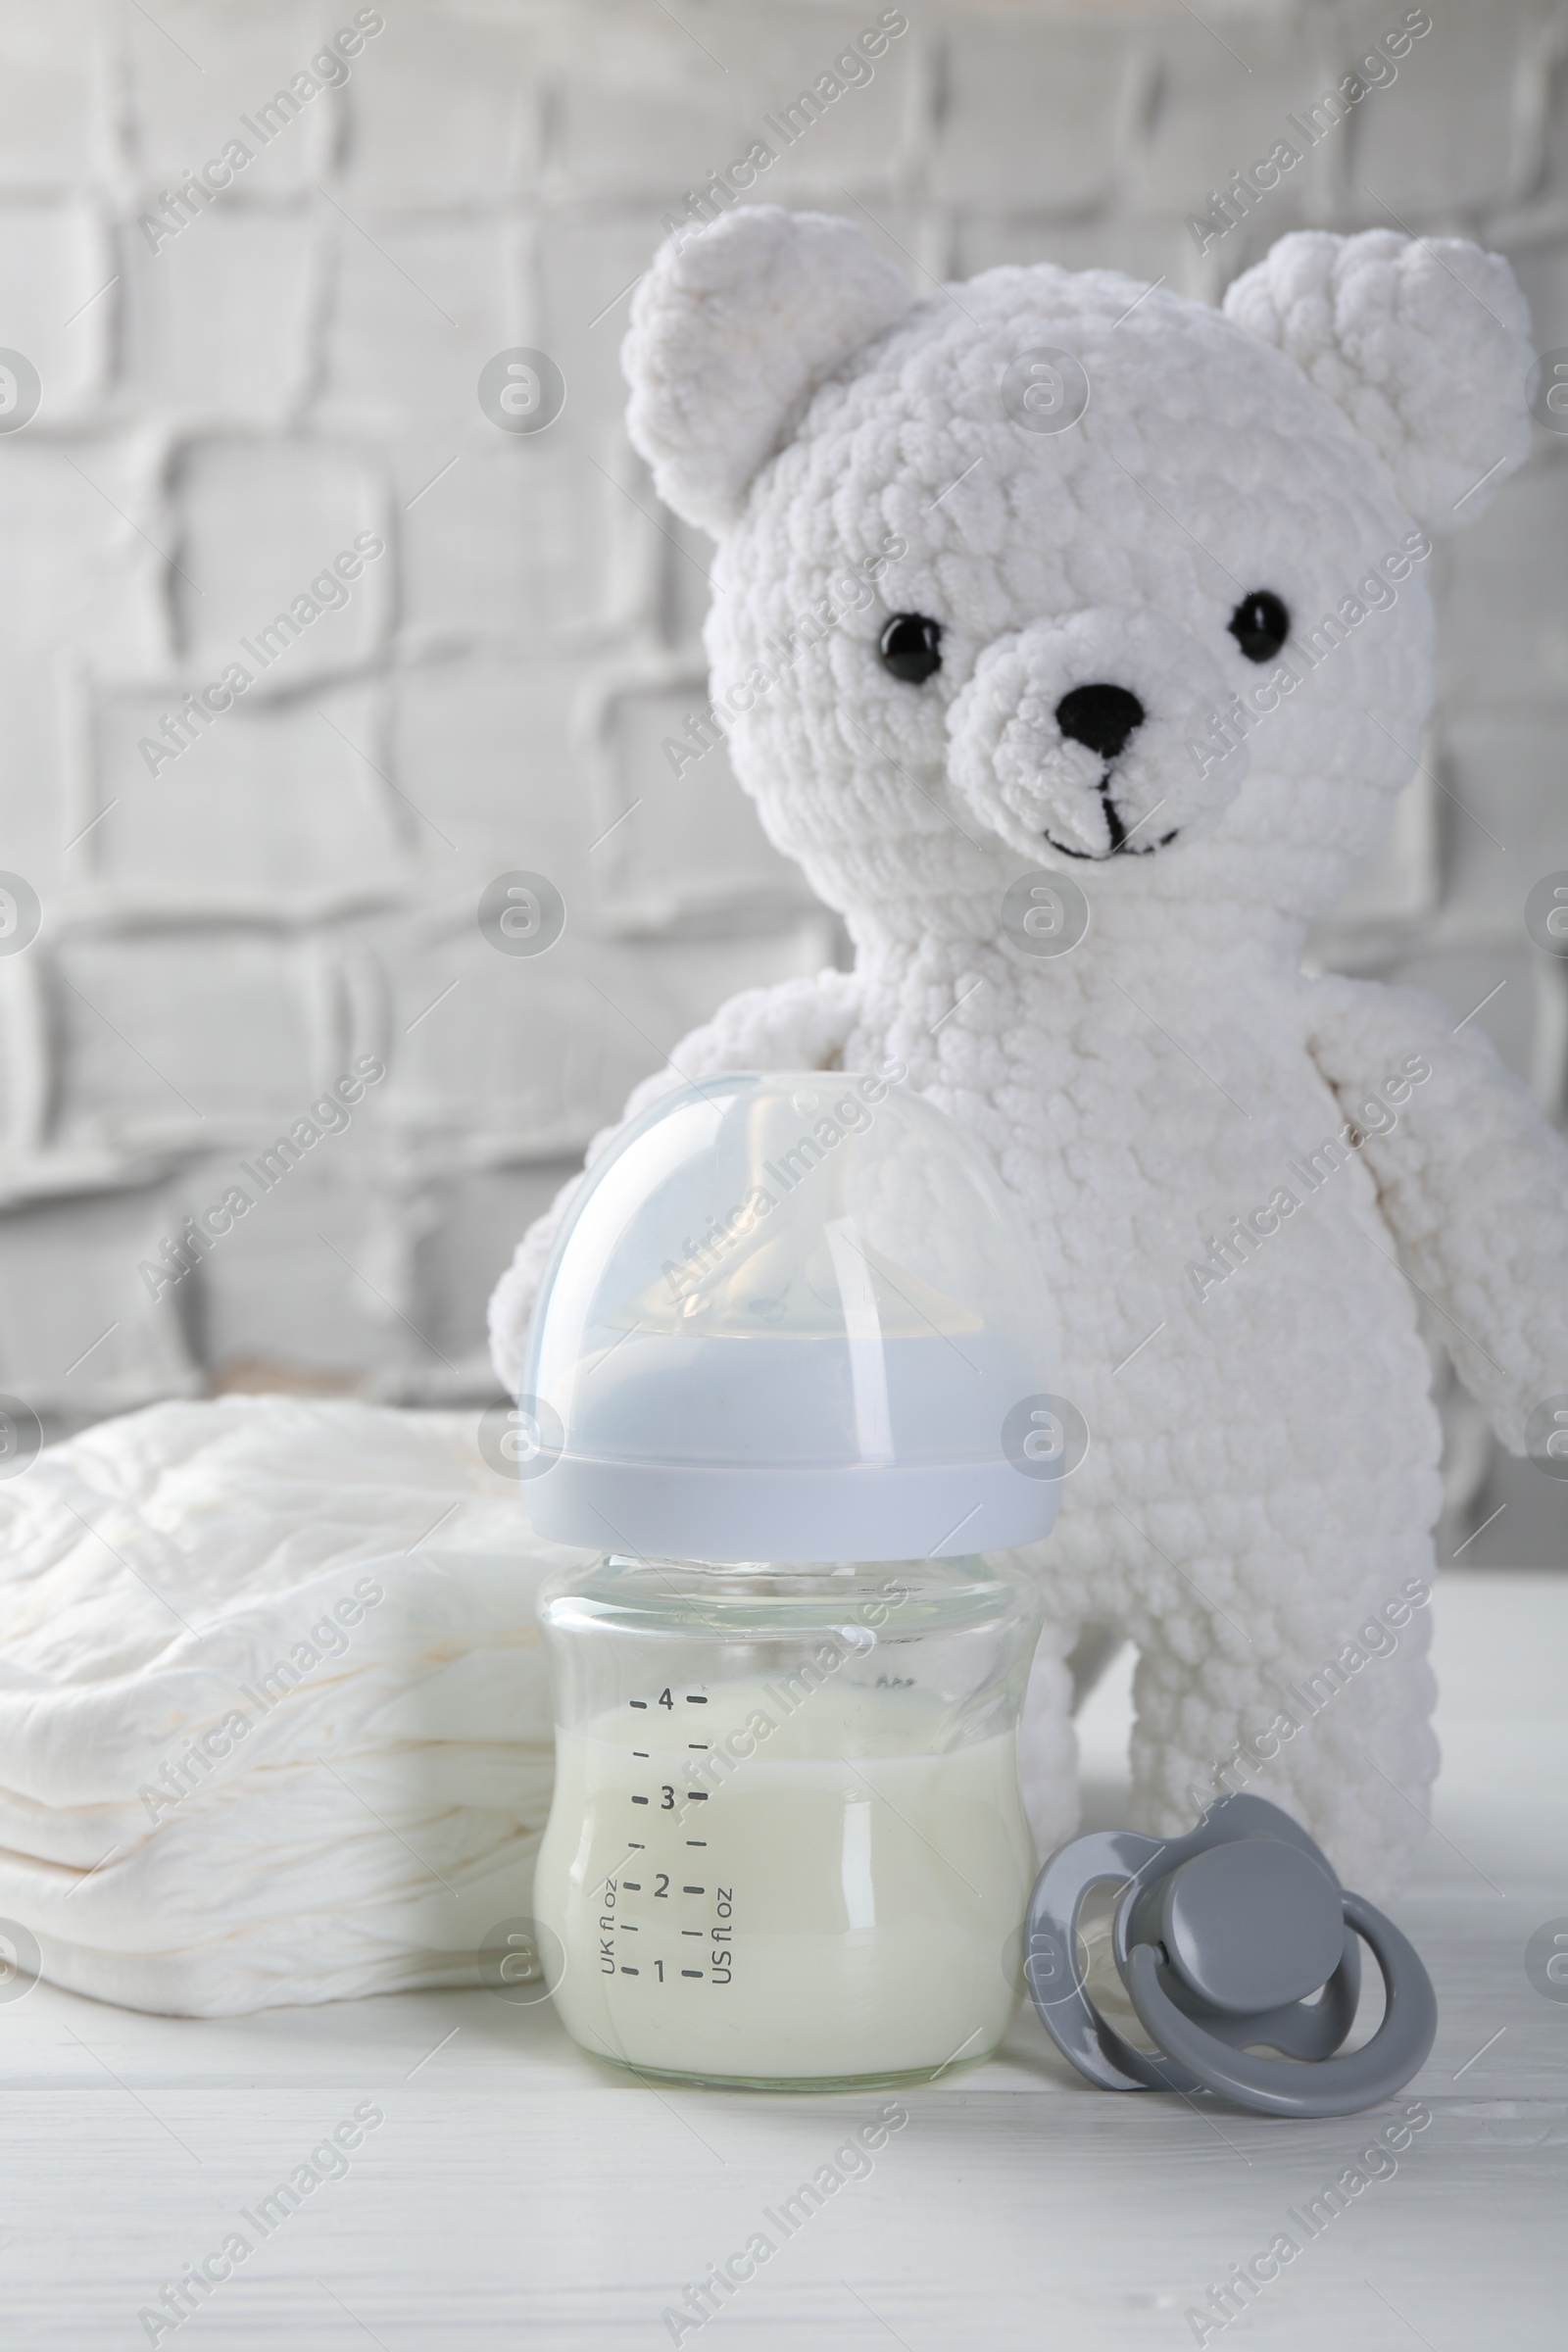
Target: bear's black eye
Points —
{"points": [[1260, 624], [910, 647]]}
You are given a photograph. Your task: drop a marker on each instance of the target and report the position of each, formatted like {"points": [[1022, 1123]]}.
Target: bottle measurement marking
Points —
{"points": [[718, 1971]]}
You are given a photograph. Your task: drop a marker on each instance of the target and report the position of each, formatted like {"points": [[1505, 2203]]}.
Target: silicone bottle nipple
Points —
{"points": [[791, 1257]]}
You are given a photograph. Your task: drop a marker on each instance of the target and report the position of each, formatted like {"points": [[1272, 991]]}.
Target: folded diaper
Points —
{"points": [[275, 1720]]}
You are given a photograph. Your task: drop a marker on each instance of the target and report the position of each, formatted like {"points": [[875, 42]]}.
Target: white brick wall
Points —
{"points": [[298, 364]]}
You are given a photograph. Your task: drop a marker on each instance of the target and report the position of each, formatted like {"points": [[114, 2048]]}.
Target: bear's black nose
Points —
{"points": [[1100, 716]]}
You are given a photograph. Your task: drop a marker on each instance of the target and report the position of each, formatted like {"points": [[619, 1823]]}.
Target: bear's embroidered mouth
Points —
{"points": [[1122, 844], [1103, 857]]}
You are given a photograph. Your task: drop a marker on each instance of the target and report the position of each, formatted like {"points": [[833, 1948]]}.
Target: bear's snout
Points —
{"points": [[1091, 736]]}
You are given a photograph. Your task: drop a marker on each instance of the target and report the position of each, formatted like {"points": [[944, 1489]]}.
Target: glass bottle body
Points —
{"points": [[787, 1846]]}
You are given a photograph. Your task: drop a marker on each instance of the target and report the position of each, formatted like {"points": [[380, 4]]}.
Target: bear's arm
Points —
{"points": [[798, 1025], [1472, 1179]]}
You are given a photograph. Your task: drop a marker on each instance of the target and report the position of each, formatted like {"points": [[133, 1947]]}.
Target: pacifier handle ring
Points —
{"points": [[1322, 2086], [1055, 1980]]}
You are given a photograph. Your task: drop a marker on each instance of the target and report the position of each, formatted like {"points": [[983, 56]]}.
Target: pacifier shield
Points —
{"points": [[1251, 1926]]}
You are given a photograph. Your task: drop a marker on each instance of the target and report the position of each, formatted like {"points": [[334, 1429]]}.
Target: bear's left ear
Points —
{"points": [[1424, 344], [732, 330]]}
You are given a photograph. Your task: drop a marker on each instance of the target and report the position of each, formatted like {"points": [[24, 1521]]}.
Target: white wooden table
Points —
{"points": [[515, 2194]]}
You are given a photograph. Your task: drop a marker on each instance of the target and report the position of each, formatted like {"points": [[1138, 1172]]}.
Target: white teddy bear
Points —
{"points": [[1056, 575]]}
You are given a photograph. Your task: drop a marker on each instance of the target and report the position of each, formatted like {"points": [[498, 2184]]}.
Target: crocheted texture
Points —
{"points": [[1219, 1157], [730, 335], [1430, 379]]}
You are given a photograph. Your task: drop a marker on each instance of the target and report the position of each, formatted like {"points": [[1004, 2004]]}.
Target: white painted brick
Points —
{"points": [[638, 109], [1245, 245], [1465, 978], [1548, 1057], [486, 750], [676, 845], [524, 1048], [510, 542], [443, 109], [681, 561], [24, 1054], [49, 95], [420, 307], [162, 1036], [1446, 135], [89, 582], [277, 805], [1553, 184], [194, 70], [1543, 273], [538, 1050], [54, 257], [81, 1334], [216, 321], [313, 1275], [1142, 247], [1033, 112], [1219, 99], [257, 523], [1503, 633], [1511, 827], [866, 137], [587, 269], [33, 792], [466, 1228]]}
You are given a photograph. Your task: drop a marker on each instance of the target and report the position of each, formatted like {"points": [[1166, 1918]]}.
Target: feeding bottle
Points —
{"points": [[787, 1375]]}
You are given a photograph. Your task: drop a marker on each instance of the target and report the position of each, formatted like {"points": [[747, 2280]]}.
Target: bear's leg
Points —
{"points": [[1048, 1744], [1326, 1712]]}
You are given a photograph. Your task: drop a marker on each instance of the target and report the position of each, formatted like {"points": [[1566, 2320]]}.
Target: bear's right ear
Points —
{"points": [[1424, 343], [732, 330]]}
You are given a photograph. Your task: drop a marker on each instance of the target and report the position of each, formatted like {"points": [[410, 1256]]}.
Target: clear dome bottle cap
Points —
{"points": [[792, 1317]]}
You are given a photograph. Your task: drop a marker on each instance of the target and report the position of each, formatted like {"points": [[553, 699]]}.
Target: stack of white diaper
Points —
{"points": [[274, 1718]]}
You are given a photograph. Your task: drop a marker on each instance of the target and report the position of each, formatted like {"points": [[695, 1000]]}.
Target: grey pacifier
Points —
{"points": [[1221, 1939]]}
